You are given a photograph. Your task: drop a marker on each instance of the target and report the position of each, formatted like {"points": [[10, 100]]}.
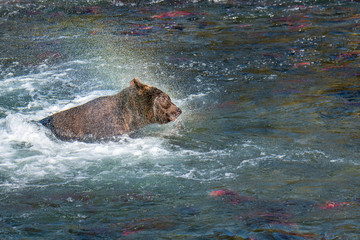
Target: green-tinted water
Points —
{"points": [[270, 96]]}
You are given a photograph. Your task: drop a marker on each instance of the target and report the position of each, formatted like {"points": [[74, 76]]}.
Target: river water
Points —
{"points": [[267, 146]]}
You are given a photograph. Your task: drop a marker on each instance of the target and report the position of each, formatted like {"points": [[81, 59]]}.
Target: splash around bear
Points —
{"points": [[107, 117]]}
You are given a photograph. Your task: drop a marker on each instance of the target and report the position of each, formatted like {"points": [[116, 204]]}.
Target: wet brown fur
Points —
{"points": [[107, 117]]}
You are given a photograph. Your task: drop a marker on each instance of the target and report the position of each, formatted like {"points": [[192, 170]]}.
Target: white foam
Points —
{"points": [[30, 152]]}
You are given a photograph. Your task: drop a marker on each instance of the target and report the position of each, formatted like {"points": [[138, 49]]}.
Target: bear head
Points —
{"points": [[161, 109]]}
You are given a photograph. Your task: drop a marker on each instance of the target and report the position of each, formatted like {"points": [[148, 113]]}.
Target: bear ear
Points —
{"points": [[135, 83]]}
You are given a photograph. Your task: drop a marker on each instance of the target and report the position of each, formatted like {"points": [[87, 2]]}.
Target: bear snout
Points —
{"points": [[174, 115], [178, 112]]}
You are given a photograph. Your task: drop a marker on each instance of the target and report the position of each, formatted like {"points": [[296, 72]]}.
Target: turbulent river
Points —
{"points": [[267, 146]]}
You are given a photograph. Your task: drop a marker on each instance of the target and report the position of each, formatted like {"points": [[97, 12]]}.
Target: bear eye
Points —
{"points": [[165, 101]]}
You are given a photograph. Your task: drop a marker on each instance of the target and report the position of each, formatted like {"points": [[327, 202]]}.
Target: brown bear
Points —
{"points": [[107, 117]]}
